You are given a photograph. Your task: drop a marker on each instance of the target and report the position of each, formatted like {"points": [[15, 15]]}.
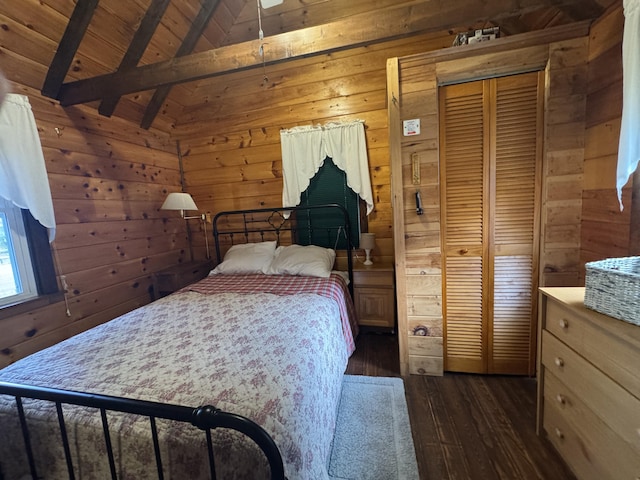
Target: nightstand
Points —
{"points": [[174, 278], [374, 295]]}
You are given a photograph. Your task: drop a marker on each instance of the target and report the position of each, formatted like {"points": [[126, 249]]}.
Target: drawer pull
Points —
{"points": [[559, 362], [559, 433], [564, 323], [561, 400]]}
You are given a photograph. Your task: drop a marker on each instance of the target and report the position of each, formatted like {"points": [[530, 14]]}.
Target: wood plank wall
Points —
{"points": [[108, 179], [413, 93], [231, 145], [605, 230]]}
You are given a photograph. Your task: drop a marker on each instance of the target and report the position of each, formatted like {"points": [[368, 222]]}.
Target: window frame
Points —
{"points": [[21, 268], [32, 256]]}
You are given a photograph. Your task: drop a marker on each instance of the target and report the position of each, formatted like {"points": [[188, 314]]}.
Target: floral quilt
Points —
{"points": [[277, 358]]}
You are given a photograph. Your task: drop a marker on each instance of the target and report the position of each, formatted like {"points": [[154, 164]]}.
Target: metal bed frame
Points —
{"points": [[232, 226], [205, 418]]}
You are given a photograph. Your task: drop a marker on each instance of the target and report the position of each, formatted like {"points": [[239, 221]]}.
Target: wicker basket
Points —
{"points": [[613, 288]]}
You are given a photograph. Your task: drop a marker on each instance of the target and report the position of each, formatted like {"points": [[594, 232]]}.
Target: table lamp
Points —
{"points": [[368, 243]]}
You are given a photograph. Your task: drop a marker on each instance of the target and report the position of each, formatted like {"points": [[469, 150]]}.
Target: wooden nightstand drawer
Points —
{"points": [[174, 278], [374, 295], [383, 278]]}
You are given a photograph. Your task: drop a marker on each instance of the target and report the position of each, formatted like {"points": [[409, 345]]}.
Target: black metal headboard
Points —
{"points": [[324, 225]]}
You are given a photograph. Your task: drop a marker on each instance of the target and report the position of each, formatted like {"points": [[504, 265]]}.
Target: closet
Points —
{"points": [[490, 168]]}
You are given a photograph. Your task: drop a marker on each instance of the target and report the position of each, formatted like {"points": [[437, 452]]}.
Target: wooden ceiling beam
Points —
{"points": [[136, 49], [68, 46], [195, 32], [358, 30]]}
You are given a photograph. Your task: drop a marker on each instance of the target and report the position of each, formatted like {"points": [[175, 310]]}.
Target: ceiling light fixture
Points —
{"points": [[270, 3], [264, 4]]}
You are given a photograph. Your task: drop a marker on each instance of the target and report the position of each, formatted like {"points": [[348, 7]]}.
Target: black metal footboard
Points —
{"points": [[205, 418]]}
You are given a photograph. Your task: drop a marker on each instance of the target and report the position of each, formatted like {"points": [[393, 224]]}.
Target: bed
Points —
{"points": [[258, 348]]}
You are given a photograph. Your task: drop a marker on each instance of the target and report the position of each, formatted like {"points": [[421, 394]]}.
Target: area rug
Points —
{"points": [[373, 438]]}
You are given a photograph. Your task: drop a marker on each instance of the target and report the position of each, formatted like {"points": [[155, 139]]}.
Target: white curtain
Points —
{"points": [[629, 147], [23, 175], [305, 148]]}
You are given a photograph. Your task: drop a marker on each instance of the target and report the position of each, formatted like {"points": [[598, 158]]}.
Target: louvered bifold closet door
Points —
{"points": [[463, 164], [515, 153], [490, 146]]}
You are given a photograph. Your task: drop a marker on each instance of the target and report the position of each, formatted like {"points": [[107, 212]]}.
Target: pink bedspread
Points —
{"points": [[334, 288], [277, 358]]}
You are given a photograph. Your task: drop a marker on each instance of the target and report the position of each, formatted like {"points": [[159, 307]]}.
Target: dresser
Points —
{"points": [[588, 386], [374, 295], [177, 276]]}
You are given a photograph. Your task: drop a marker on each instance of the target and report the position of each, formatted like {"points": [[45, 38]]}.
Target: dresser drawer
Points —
{"points": [[616, 407], [570, 445], [609, 344], [589, 386], [566, 325], [592, 450]]}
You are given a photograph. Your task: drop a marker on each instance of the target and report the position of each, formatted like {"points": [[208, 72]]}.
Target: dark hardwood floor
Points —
{"points": [[478, 427]]}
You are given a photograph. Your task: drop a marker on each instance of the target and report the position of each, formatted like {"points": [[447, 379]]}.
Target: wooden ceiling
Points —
{"points": [[135, 57]]}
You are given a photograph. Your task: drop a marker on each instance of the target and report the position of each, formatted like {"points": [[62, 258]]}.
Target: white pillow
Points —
{"points": [[309, 260], [247, 258]]}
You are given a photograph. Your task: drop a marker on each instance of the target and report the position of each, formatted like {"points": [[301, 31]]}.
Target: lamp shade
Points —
{"points": [[367, 241], [179, 201]]}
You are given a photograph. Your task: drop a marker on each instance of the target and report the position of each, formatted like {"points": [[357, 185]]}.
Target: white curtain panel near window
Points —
{"points": [[629, 146], [23, 175], [304, 150]]}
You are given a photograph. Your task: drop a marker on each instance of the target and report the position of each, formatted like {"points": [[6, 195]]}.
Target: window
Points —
{"points": [[320, 159], [329, 185], [26, 264], [16, 271]]}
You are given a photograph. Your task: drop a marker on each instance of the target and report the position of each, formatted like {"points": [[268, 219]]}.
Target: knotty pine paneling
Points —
{"points": [[301, 76], [412, 83], [108, 179], [606, 231], [230, 141], [565, 111]]}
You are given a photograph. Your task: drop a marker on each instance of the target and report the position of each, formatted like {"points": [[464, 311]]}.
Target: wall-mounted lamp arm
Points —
{"points": [[183, 201]]}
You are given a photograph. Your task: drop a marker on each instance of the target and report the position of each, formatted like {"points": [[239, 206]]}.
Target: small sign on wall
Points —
{"points": [[411, 127]]}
